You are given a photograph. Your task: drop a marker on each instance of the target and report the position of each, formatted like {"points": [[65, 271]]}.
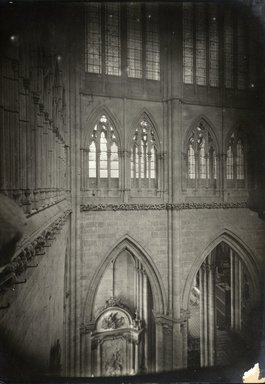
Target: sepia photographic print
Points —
{"points": [[132, 191]]}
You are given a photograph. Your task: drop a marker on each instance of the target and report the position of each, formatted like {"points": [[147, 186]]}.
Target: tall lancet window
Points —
{"points": [[103, 39], [235, 162], [103, 158], [144, 157], [201, 158]]}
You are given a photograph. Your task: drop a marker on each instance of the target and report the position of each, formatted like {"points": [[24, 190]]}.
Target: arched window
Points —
{"points": [[144, 157], [235, 162], [103, 158], [201, 158]]}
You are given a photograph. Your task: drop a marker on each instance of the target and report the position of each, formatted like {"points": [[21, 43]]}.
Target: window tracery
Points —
{"points": [[103, 158], [104, 31], [235, 162], [144, 157], [201, 158]]}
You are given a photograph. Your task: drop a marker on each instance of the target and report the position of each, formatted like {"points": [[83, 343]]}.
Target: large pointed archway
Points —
{"points": [[223, 302], [118, 336]]}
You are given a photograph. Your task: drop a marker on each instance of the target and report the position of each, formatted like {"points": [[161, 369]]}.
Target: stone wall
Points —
{"points": [[33, 325], [195, 232]]}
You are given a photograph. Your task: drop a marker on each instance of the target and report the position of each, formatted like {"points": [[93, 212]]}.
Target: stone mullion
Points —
{"points": [[223, 174], [207, 170], [234, 151], [134, 162], [159, 175], [197, 168], [149, 169], [245, 166], [98, 162], [123, 173], [86, 169], [145, 161], [68, 170], [139, 165], [82, 169], [108, 164]]}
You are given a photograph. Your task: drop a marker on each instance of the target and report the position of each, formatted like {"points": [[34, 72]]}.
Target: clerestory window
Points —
{"points": [[103, 39], [141, 50], [201, 158], [143, 47]]}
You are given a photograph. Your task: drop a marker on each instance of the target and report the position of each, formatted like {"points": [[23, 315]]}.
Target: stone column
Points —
{"points": [[207, 312], [211, 311], [159, 347], [86, 349], [235, 270], [145, 318]]}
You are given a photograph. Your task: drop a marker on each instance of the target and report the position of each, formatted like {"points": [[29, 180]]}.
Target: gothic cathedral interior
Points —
{"points": [[132, 180]]}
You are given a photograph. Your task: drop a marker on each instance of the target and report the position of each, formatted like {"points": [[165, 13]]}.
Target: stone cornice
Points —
{"points": [[161, 206], [26, 256]]}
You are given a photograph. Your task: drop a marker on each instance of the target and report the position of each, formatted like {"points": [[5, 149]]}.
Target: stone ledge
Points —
{"points": [[161, 207]]}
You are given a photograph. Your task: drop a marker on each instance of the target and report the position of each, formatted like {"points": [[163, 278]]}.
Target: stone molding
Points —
{"points": [[36, 247], [86, 328], [161, 206]]}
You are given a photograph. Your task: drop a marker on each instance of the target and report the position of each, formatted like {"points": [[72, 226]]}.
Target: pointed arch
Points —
{"points": [[145, 114], [134, 248], [236, 147], [200, 151], [144, 149], [93, 119], [242, 250], [201, 119], [239, 130]]}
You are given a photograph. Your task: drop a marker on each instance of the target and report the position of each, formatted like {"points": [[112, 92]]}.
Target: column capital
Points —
{"points": [[86, 328]]}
